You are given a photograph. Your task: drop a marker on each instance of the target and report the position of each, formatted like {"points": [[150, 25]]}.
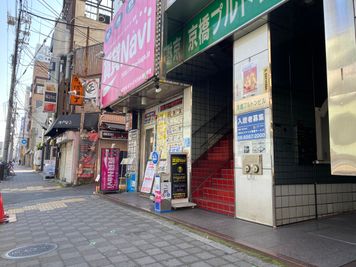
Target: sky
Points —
{"points": [[38, 31]]}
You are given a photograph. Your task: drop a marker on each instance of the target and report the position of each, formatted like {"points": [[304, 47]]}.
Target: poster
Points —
{"points": [[148, 177], [179, 176], [109, 180], [251, 125], [132, 150], [249, 74], [87, 155]]}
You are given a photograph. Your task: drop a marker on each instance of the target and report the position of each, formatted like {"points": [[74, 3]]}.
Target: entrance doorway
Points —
{"points": [[149, 143]]}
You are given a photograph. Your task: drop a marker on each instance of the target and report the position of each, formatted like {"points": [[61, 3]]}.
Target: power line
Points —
{"points": [[66, 23]]}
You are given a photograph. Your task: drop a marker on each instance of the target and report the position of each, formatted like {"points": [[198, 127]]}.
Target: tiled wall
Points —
{"points": [[295, 203]]}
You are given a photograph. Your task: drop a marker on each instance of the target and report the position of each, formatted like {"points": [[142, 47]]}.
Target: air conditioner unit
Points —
{"points": [[104, 18]]}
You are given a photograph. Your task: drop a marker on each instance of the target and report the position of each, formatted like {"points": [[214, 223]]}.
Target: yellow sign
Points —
{"points": [[252, 103], [77, 96]]}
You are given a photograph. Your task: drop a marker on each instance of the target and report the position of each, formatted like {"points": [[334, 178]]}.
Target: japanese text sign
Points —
{"points": [[129, 49], [50, 97], [251, 126], [215, 22], [77, 97]]}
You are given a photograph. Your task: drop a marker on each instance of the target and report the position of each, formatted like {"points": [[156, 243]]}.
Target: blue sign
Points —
{"points": [[251, 126], [154, 157], [24, 142]]}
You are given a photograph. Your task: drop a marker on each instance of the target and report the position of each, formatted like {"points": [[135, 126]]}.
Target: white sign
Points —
{"points": [[148, 178]]}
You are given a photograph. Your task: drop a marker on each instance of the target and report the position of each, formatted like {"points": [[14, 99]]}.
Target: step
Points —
{"points": [[222, 181], [227, 173], [216, 194], [215, 206], [218, 156], [204, 163]]}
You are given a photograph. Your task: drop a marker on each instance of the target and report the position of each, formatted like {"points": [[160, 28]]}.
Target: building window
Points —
{"points": [[99, 10]]}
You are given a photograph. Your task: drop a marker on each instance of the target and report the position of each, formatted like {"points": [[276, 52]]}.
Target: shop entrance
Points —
{"points": [[149, 143], [211, 75]]}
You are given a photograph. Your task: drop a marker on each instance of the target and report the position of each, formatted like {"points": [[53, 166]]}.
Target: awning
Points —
{"points": [[113, 126], [72, 122]]}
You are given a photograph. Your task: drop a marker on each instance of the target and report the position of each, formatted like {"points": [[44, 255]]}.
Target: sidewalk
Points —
{"points": [[324, 242]]}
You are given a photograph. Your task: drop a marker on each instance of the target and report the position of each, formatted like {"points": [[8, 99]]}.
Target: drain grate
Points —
{"points": [[30, 251]]}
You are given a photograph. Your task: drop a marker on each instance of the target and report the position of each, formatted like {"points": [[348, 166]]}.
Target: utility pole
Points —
{"points": [[12, 90]]}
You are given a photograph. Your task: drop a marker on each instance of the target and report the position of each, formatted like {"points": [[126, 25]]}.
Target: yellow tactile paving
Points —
{"points": [[46, 206]]}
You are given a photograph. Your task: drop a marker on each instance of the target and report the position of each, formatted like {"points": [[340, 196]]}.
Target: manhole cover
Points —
{"points": [[30, 251]]}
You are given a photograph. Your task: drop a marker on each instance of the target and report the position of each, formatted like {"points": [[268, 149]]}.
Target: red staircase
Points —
{"points": [[213, 178]]}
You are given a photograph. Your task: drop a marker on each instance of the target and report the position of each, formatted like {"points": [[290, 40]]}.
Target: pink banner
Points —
{"points": [[109, 176], [130, 40]]}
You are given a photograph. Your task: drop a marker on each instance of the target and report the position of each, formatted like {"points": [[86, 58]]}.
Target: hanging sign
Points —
{"points": [[148, 178], [179, 177], [77, 96], [109, 176]]}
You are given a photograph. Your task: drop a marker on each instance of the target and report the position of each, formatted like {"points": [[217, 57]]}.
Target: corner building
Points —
{"points": [[259, 96]]}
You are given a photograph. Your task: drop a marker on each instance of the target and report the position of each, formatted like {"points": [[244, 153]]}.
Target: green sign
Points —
{"points": [[216, 21]]}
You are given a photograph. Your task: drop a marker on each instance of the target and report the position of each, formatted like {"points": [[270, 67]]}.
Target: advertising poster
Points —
{"points": [[91, 88], [109, 176], [249, 74], [148, 179], [87, 155], [130, 38], [251, 126], [179, 177]]}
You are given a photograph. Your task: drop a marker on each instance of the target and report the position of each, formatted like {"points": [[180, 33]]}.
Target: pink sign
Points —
{"points": [[109, 176], [129, 40]]}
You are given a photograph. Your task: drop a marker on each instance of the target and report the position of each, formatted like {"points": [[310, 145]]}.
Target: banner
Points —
{"points": [[77, 96], [109, 175]]}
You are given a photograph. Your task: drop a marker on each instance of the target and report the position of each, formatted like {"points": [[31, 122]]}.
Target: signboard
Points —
{"points": [[91, 88], [179, 176], [251, 126], [77, 97], [113, 135], [215, 22], [148, 178], [87, 155], [130, 40], [155, 157], [132, 150], [50, 97], [109, 176]]}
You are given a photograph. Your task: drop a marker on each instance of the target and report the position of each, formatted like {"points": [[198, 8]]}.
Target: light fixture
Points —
{"points": [[158, 88], [143, 100], [124, 110]]}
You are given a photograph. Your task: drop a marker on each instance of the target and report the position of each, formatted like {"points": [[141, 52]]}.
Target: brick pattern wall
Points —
{"points": [[295, 203]]}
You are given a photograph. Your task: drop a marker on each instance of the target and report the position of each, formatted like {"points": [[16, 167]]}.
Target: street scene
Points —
{"points": [[90, 231], [178, 133]]}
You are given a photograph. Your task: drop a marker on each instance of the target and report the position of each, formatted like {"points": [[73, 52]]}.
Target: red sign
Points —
{"points": [[109, 175], [77, 96]]}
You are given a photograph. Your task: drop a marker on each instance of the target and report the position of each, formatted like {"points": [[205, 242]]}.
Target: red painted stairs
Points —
{"points": [[213, 178]]}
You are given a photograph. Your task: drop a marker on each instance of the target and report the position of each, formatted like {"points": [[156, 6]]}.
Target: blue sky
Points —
{"points": [[38, 31]]}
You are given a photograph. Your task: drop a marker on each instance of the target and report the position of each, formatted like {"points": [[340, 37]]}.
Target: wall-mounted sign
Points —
{"points": [[50, 97], [77, 96], [130, 39], [113, 135], [216, 21], [251, 126], [91, 88], [179, 177], [109, 175]]}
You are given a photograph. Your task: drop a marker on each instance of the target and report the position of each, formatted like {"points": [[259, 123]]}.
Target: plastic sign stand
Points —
{"points": [[162, 191]]}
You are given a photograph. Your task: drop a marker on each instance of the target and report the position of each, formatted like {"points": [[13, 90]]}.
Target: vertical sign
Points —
{"points": [[149, 177], [77, 97], [179, 177], [130, 38], [109, 177], [50, 97]]}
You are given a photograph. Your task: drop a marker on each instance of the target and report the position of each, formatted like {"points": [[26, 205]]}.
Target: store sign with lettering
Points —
{"points": [[215, 22], [109, 175], [251, 126]]}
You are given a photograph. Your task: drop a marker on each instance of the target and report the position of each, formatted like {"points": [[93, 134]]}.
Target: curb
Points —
{"points": [[289, 261]]}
